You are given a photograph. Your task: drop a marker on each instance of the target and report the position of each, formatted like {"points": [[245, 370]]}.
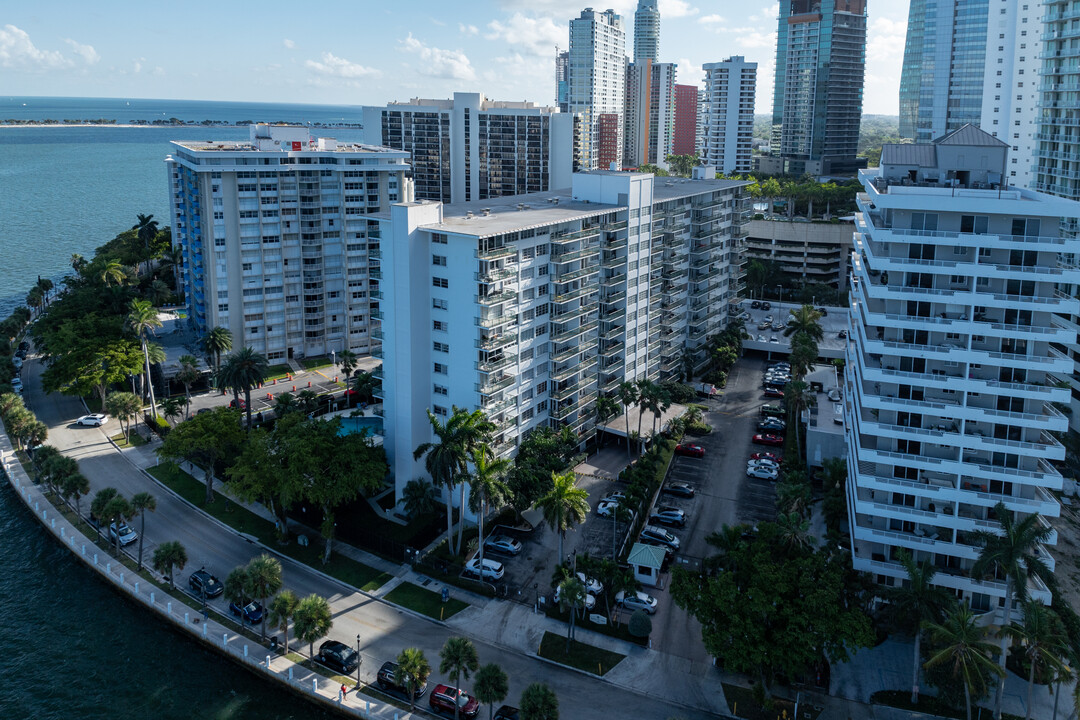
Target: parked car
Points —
{"points": [[755, 304], [201, 581], [670, 516], [614, 497], [771, 424], [779, 460], [767, 464], [766, 305], [592, 585], [782, 365], [505, 712], [590, 600], [444, 698], [493, 569], [126, 534], [252, 613], [773, 391], [607, 507], [768, 439], [761, 338], [338, 655], [637, 601], [690, 450], [17, 362], [768, 318], [834, 395], [387, 680], [93, 419], [772, 411], [679, 489], [778, 326], [762, 473], [503, 545], [238, 404], [764, 325], [661, 535]]}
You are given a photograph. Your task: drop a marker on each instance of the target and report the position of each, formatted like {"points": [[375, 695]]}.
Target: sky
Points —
{"points": [[367, 53]]}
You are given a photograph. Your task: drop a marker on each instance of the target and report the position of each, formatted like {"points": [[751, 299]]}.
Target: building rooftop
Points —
{"points": [[486, 104], [313, 145]]}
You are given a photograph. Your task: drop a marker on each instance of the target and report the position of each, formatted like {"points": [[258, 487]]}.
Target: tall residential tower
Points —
{"points": [[728, 119], [647, 31], [597, 89]]}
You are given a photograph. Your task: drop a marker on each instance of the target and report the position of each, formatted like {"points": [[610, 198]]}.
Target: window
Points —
{"points": [[440, 282], [527, 414], [439, 325], [439, 303], [439, 410], [439, 260], [976, 224], [542, 309], [440, 369], [541, 388], [441, 390], [440, 347], [542, 271], [1026, 227]]}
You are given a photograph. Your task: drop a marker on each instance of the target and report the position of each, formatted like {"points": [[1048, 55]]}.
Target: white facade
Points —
{"points": [[277, 243], [649, 122], [647, 31], [530, 307], [472, 148], [727, 114], [597, 80], [1010, 98], [952, 394]]}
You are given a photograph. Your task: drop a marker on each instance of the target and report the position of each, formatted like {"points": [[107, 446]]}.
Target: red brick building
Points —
{"points": [[609, 139], [686, 107]]}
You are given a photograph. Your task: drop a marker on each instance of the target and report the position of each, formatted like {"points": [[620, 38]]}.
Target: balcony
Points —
{"points": [[497, 321], [495, 384], [569, 257], [574, 295], [498, 253], [498, 341], [571, 333], [572, 389], [496, 298], [490, 366], [575, 369], [574, 236], [575, 350], [582, 272]]}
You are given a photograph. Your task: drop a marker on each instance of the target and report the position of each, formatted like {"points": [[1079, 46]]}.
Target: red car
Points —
{"points": [[768, 439], [691, 450], [779, 460], [443, 699], [774, 392], [238, 403]]}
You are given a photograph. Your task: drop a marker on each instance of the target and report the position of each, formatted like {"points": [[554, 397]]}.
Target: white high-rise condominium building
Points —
{"points": [[727, 119], [597, 89], [530, 307], [1011, 83], [952, 381], [471, 148], [647, 31], [277, 242], [649, 125]]}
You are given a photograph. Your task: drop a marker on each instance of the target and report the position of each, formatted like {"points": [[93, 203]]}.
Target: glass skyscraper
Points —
{"points": [[941, 83]]}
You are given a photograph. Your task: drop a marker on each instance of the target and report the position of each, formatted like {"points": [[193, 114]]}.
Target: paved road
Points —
{"points": [[384, 630]]}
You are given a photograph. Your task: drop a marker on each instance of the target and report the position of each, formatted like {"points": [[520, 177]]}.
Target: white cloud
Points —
{"points": [[771, 14], [468, 29], [690, 72], [538, 36], [885, 39], [289, 44], [339, 67], [676, 9], [450, 64], [18, 51], [711, 19], [86, 52], [158, 71], [138, 65]]}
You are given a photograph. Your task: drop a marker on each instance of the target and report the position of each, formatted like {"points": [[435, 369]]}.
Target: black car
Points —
{"points": [[755, 305], [338, 656], [766, 306], [202, 582], [387, 682], [506, 713], [251, 613]]}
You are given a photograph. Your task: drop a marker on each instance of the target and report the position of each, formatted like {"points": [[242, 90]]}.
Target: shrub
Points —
{"points": [[700, 428], [680, 393], [640, 624]]}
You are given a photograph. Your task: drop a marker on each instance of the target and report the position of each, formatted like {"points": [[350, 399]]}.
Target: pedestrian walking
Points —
{"points": [[344, 691]]}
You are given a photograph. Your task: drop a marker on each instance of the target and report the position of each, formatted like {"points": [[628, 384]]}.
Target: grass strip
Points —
{"points": [[581, 656], [343, 568], [425, 601], [742, 704], [901, 699], [277, 372], [132, 439], [315, 362]]}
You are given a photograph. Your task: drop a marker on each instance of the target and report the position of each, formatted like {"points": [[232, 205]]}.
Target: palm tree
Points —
{"points": [[123, 406], [282, 609], [538, 702], [798, 396], [916, 602], [606, 408], [365, 383], [628, 395], [236, 586], [147, 228], [571, 597], [46, 286], [169, 555], [142, 320], [312, 620], [458, 658], [307, 402], [158, 293], [245, 369], [646, 389], [35, 298], [564, 505], [140, 503], [78, 262], [1044, 641], [264, 580], [75, 486], [284, 404], [491, 686], [113, 273], [219, 340], [1011, 553], [805, 321], [657, 401], [347, 359], [487, 486], [963, 648], [412, 672], [172, 407], [794, 532], [418, 497], [111, 508], [188, 375]]}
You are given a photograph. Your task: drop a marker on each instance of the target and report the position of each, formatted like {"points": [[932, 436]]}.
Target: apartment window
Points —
{"points": [[542, 249], [976, 224], [527, 414], [439, 303], [440, 347], [542, 309], [439, 325], [440, 368], [542, 290], [441, 390], [439, 260], [542, 271], [440, 282], [439, 410], [1026, 227], [541, 388], [541, 330]]}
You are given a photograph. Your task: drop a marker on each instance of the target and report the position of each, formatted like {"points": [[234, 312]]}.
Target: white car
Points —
{"points": [[592, 585], [614, 497], [763, 463], [834, 394], [637, 601], [503, 544], [761, 473], [607, 507], [127, 535], [590, 601], [93, 419], [493, 569]]}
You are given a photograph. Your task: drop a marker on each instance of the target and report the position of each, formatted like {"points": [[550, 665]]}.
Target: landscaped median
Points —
{"points": [[241, 519], [581, 656], [422, 600]]}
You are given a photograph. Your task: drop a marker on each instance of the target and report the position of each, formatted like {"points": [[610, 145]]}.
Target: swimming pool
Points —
{"points": [[371, 425]]}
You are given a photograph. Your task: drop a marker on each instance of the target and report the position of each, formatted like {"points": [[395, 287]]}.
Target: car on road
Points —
{"points": [[444, 699], [767, 464], [493, 569], [762, 473], [201, 581], [660, 535], [670, 516], [772, 411], [614, 497], [764, 325], [766, 305], [834, 395], [771, 424], [592, 585], [387, 680], [773, 392], [755, 305], [502, 544], [690, 450], [92, 420], [637, 601], [338, 656], [126, 534], [238, 404], [607, 507], [590, 600], [768, 439], [505, 712], [679, 489], [778, 459], [252, 613]]}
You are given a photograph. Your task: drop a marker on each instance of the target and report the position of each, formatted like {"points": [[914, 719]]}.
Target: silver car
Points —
{"points": [[502, 544], [637, 601]]}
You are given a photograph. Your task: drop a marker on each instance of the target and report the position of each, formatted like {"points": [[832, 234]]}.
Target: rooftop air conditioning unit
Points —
{"points": [[468, 215]]}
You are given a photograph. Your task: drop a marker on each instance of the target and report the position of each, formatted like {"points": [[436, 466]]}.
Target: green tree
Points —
{"points": [[244, 370], [80, 368], [171, 408], [571, 599], [282, 609], [169, 555], [1012, 553], [418, 497], [805, 321], [264, 580], [628, 396], [205, 440], [1044, 642], [487, 487], [538, 702], [75, 486], [143, 320], [188, 375], [124, 406], [963, 651], [312, 621], [794, 532], [413, 670], [640, 624], [492, 686], [285, 403], [916, 602], [219, 340], [458, 659], [236, 586], [347, 359], [112, 273], [654, 169], [564, 505], [682, 165], [365, 384], [109, 507], [147, 229], [140, 503]]}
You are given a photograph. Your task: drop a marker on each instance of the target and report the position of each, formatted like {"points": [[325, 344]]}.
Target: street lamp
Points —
{"points": [[780, 288], [357, 662]]}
